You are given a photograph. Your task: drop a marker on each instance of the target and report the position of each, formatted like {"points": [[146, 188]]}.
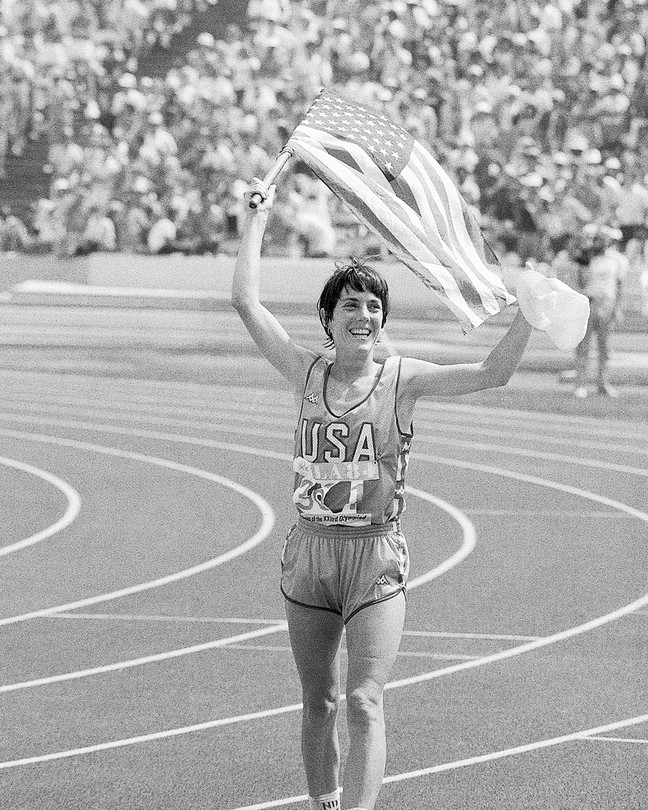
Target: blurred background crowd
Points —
{"points": [[538, 110]]}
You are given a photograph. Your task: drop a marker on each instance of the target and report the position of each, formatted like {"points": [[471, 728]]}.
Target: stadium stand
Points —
{"points": [[147, 115]]}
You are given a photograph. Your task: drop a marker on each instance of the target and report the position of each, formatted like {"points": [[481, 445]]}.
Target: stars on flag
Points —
{"points": [[389, 144]]}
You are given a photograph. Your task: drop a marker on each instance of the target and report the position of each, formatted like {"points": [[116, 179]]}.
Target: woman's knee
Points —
{"points": [[365, 706], [321, 707]]}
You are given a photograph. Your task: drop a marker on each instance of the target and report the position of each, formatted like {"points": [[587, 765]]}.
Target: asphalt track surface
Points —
{"points": [[145, 660]]}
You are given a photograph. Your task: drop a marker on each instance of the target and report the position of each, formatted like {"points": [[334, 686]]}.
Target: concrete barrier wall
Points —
{"points": [[283, 280]]}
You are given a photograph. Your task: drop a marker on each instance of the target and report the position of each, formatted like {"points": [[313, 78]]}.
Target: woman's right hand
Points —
{"points": [[258, 187]]}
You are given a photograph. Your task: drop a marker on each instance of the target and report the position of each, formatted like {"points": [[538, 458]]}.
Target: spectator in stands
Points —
{"points": [[631, 212], [14, 234], [99, 233], [500, 92], [46, 226], [310, 226], [163, 232]]}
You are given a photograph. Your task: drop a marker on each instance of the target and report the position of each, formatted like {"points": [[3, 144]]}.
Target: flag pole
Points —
{"points": [[271, 176]]}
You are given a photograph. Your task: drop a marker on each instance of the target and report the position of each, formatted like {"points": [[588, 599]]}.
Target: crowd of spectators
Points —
{"points": [[538, 109]]}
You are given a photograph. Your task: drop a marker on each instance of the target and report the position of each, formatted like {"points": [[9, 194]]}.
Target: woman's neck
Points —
{"points": [[349, 369]]}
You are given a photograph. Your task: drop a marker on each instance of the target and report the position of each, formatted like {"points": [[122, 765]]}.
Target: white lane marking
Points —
{"points": [[464, 763], [134, 617], [616, 739], [555, 637], [477, 636], [135, 409], [520, 749], [487, 659], [539, 454], [245, 429], [73, 505], [151, 405], [158, 735], [468, 542], [146, 659], [466, 547], [130, 617], [470, 427], [205, 394], [264, 507], [499, 656], [401, 653], [285, 436], [144, 434], [577, 423], [559, 513]]}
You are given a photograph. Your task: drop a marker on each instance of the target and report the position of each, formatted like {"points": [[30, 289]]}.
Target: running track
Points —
{"points": [[144, 655]]}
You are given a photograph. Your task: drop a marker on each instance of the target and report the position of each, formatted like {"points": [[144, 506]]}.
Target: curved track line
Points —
{"points": [[578, 423], [262, 432], [463, 763], [73, 508], [263, 506], [523, 648], [246, 429], [555, 637], [205, 394], [520, 749], [487, 659], [457, 427], [148, 659], [539, 454], [467, 546], [137, 405], [158, 735], [500, 656]]}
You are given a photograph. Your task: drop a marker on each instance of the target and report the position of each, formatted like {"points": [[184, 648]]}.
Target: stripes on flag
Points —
{"points": [[402, 194]]}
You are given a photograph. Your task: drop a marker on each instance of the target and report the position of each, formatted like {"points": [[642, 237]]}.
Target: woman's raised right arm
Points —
{"points": [[274, 343]]}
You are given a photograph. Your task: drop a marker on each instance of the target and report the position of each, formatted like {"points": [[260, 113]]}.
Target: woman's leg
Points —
{"points": [[315, 640], [373, 637]]}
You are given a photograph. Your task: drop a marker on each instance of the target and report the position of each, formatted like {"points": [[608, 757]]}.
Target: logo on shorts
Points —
{"points": [[313, 398], [383, 580]]}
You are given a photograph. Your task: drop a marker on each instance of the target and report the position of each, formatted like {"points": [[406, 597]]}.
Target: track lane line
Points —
{"points": [[476, 760], [467, 545], [424, 677], [70, 514], [578, 734], [150, 405], [262, 432], [601, 738], [280, 397], [264, 507], [147, 659]]}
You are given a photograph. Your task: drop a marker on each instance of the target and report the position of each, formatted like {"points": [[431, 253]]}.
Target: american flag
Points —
{"points": [[402, 194]]}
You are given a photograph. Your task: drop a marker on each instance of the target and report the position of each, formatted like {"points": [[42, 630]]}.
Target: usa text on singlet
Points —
{"points": [[350, 467]]}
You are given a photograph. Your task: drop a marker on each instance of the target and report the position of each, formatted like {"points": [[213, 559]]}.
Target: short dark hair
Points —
{"points": [[356, 275]]}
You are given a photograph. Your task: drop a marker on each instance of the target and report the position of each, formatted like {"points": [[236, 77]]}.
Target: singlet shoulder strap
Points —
{"points": [[314, 380], [391, 370], [315, 372]]}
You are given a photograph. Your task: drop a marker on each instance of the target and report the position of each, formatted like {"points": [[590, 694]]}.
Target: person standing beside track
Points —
{"points": [[345, 562]]}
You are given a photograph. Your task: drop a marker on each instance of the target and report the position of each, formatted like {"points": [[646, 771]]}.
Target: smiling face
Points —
{"points": [[357, 320], [353, 287]]}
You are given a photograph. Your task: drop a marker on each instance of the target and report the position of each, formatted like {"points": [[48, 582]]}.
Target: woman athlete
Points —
{"points": [[345, 561]]}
